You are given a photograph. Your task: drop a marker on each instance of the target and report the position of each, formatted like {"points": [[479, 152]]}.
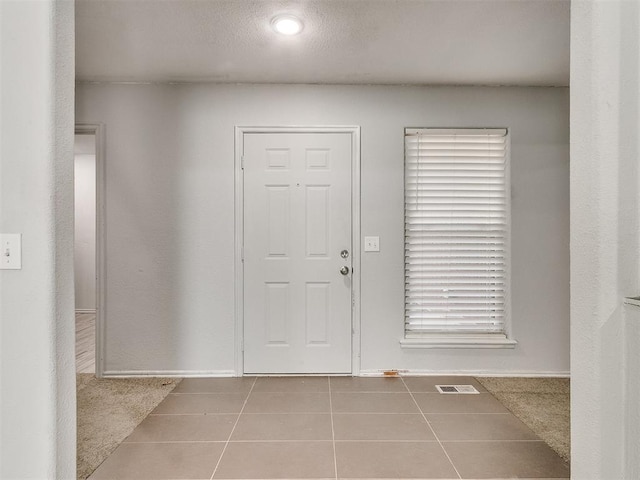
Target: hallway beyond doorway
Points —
{"points": [[85, 342]]}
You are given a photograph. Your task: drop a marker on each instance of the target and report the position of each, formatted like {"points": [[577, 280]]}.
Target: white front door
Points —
{"points": [[297, 243]]}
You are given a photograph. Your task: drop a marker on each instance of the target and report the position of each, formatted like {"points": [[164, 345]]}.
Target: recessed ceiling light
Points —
{"points": [[286, 24]]}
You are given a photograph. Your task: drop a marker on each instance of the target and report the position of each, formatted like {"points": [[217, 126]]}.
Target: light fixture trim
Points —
{"points": [[287, 24]]}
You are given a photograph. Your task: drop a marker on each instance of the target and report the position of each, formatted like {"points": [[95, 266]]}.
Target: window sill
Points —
{"points": [[458, 341]]}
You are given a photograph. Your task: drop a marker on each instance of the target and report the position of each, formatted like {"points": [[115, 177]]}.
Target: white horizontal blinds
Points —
{"points": [[455, 231]]}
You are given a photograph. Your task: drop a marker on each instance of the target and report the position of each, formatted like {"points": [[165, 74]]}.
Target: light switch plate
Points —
{"points": [[10, 251], [371, 244]]}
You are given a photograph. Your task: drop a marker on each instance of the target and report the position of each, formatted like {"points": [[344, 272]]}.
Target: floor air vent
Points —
{"points": [[457, 389]]}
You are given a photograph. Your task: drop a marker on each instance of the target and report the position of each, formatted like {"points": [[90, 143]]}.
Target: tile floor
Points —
{"points": [[330, 427]]}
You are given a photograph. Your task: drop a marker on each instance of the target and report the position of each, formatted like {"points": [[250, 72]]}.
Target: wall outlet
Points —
{"points": [[10, 251], [371, 244]]}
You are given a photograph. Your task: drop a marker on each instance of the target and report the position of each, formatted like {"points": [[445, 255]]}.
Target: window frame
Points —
{"points": [[458, 339]]}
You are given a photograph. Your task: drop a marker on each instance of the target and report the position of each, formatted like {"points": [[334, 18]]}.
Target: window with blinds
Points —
{"points": [[456, 231]]}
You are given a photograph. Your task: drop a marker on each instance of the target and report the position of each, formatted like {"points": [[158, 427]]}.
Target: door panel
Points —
{"points": [[297, 220]]}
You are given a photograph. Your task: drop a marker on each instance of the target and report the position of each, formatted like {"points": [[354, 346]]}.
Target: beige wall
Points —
{"points": [[170, 216]]}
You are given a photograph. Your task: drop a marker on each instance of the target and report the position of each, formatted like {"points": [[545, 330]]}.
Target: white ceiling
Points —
{"points": [[453, 42]]}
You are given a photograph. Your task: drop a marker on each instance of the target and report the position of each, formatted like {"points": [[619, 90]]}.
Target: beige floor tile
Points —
{"points": [[479, 427], [442, 403], [292, 384], [358, 402], [200, 403], [183, 428], [380, 426], [142, 461], [215, 385], [286, 426], [392, 460], [506, 460], [364, 384], [428, 384], [295, 402], [277, 460]]}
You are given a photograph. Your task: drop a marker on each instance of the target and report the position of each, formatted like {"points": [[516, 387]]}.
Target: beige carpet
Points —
{"points": [[541, 403], [109, 410]]}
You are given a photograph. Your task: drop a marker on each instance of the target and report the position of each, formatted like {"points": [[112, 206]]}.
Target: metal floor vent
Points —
{"points": [[457, 389]]}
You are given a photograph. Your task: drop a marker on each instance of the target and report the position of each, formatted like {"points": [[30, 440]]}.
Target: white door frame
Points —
{"points": [[98, 130], [355, 232]]}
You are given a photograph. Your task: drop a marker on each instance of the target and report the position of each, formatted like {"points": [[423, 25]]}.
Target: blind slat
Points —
{"points": [[456, 216]]}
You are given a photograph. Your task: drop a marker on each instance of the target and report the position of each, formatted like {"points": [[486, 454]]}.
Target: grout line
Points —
{"points": [[207, 393], [294, 440], [384, 441], [454, 394], [468, 413], [238, 441], [358, 392], [323, 413], [333, 432], [336, 441], [340, 392], [175, 441], [279, 441], [432, 430], [288, 392], [236, 413], [233, 429], [495, 441], [209, 414]]}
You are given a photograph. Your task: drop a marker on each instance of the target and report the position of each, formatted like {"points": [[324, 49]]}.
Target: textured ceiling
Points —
{"points": [[459, 42]]}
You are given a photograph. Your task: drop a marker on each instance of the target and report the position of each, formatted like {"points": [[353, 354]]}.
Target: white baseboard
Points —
{"points": [[167, 373], [85, 310], [563, 374], [363, 373], [467, 373]]}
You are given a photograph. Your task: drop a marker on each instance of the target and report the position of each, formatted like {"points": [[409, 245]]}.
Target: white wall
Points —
{"points": [[37, 371], [632, 391], [170, 220], [85, 223], [605, 237]]}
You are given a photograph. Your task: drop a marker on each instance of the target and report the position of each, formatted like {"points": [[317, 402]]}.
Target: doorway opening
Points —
{"points": [[87, 248]]}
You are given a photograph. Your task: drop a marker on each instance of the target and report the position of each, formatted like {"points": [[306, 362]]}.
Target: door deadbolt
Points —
{"points": [[344, 253]]}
